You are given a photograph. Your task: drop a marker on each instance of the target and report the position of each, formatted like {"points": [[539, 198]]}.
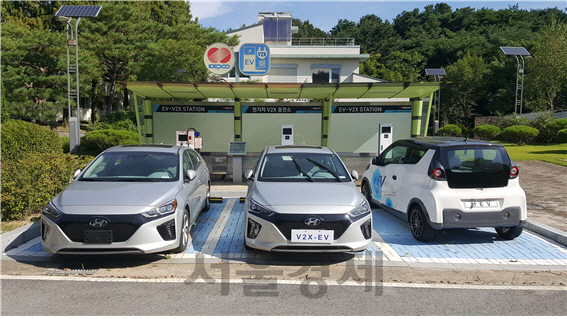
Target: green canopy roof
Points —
{"points": [[241, 90]]}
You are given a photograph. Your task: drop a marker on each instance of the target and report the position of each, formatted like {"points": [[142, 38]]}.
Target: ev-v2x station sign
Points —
{"points": [[254, 58]]}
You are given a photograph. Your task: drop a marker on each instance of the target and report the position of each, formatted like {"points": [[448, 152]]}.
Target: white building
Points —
{"points": [[301, 60]]}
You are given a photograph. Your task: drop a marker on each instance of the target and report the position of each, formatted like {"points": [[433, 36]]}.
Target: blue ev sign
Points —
{"points": [[254, 59]]}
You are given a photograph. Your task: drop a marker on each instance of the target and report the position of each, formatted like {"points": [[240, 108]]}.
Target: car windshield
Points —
{"points": [[302, 167], [476, 167], [133, 166]]}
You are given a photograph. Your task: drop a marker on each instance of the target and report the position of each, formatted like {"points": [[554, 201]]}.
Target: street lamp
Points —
{"points": [[437, 74], [519, 53], [65, 14]]}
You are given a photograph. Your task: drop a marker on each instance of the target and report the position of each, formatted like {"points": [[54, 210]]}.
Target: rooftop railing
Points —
{"points": [[323, 41]]}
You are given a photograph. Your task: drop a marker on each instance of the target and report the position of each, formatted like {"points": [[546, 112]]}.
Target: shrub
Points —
{"points": [[514, 120], [486, 131], [558, 125], [540, 122], [29, 183], [108, 138], [120, 120], [450, 130], [561, 136], [20, 138], [519, 134]]}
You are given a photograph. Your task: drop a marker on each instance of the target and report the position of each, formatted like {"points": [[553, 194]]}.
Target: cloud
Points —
{"points": [[209, 9]]}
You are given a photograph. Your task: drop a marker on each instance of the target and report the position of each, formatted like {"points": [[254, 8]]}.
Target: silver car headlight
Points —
{"points": [[52, 210], [162, 210], [363, 208], [259, 209]]}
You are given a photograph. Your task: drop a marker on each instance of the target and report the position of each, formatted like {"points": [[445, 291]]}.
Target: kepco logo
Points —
{"points": [[219, 58]]}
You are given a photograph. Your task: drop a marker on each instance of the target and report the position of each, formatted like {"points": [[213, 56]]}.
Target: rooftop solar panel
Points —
{"points": [[515, 51], [435, 72], [78, 11]]}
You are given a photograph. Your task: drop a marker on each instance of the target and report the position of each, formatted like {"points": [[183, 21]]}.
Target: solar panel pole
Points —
{"points": [[74, 122], [518, 53]]}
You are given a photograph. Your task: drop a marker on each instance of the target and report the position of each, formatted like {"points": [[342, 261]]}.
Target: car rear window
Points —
{"points": [[476, 167]]}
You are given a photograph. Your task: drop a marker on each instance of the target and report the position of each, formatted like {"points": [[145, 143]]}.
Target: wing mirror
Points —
{"points": [[354, 175], [76, 174], [191, 174], [249, 174], [375, 161]]}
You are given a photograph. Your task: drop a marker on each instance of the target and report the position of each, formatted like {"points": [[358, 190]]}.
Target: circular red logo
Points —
{"points": [[217, 55], [219, 58]]}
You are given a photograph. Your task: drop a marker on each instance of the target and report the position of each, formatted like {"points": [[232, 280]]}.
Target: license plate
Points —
{"points": [[316, 236], [472, 204], [98, 236]]}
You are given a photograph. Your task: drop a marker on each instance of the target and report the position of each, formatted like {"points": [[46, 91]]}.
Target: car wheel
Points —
{"points": [[420, 229], [207, 200], [184, 234], [509, 232], [365, 190]]}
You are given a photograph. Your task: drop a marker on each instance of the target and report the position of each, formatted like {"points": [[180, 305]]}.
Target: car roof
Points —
{"points": [[161, 148], [298, 149], [448, 141]]}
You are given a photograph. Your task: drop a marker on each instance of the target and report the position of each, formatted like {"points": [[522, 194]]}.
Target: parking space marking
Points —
{"points": [[459, 246], [219, 233]]}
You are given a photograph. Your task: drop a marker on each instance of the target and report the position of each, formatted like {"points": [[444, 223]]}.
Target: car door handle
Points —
{"points": [[395, 177]]}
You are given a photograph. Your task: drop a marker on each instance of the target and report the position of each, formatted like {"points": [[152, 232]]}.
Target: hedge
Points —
{"points": [[486, 132], [21, 138], [519, 134], [561, 136], [29, 183], [450, 130], [108, 138]]}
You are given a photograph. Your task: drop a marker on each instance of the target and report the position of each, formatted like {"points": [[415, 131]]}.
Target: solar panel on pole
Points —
{"points": [[435, 72], [78, 11], [520, 51]]}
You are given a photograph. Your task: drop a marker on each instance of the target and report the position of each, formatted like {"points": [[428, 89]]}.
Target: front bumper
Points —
{"points": [[145, 239], [348, 237]]}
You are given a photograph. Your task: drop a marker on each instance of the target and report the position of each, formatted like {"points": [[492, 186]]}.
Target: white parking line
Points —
{"points": [[283, 281], [388, 251]]}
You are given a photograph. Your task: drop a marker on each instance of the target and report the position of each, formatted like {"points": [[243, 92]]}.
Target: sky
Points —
{"points": [[225, 14]]}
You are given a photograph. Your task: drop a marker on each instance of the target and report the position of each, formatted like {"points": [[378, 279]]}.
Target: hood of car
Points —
{"points": [[316, 197], [114, 197]]}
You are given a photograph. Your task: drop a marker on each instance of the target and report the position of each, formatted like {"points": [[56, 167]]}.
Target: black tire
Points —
{"points": [[183, 234], [420, 228], [207, 200], [365, 190], [509, 232]]}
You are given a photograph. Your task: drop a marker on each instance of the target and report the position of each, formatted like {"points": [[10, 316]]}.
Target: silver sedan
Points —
{"points": [[301, 199], [129, 199]]}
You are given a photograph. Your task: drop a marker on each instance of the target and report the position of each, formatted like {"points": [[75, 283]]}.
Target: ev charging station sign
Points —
{"points": [[254, 59], [219, 58]]}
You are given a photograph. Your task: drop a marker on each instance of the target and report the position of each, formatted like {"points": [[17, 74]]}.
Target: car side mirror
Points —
{"points": [[354, 175], [76, 174], [249, 174], [191, 174], [375, 160]]}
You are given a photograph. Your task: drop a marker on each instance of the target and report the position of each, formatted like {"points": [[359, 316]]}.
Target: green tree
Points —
{"points": [[463, 90], [547, 75]]}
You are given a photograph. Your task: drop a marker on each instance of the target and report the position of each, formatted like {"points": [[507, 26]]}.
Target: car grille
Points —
{"points": [[339, 223], [122, 226]]}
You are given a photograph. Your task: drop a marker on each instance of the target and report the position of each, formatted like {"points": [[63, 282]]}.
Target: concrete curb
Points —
{"points": [[21, 235], [547, 231]]}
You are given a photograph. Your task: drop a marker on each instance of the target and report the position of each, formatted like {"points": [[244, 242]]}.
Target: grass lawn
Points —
{"points": [[551, 153]]}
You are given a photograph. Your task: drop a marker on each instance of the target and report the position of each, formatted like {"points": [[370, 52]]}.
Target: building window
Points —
{"points": [[284, 75], [325, 75]]}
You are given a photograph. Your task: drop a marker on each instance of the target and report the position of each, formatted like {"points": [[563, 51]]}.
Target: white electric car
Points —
{"points": [[442, 182]]}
